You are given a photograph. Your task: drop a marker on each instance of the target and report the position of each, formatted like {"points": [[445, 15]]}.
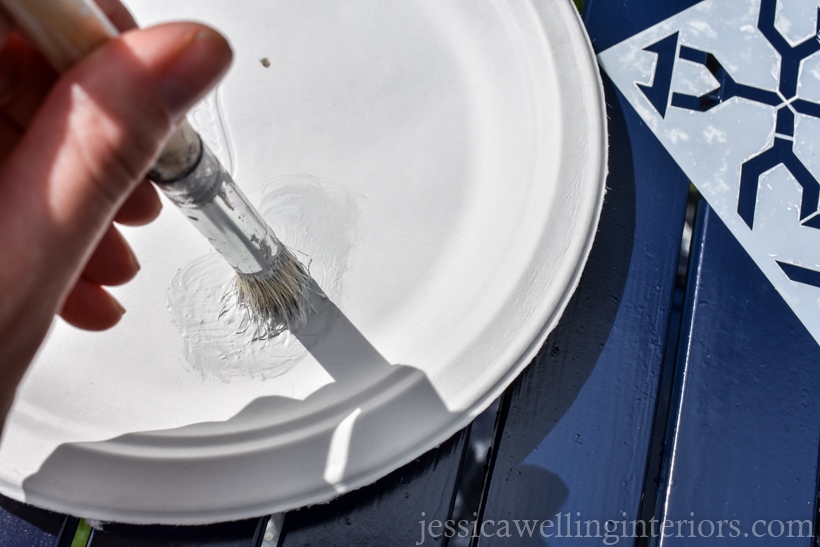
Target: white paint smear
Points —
{"points": [[317, 220]]}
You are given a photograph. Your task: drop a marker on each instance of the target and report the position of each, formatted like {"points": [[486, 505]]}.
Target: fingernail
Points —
{"points": [[195, 70]]}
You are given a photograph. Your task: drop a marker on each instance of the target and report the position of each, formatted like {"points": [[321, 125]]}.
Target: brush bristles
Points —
{"points": [[276, 298]]}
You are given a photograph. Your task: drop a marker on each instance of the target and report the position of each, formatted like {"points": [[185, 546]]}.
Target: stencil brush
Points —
{"points": [[271, 285]]}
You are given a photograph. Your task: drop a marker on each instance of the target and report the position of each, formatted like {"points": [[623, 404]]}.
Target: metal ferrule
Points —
{"points": [[216, 206]]}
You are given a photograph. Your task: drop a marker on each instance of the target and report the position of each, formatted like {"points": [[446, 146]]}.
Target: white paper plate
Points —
{"points": [[442, 164]]}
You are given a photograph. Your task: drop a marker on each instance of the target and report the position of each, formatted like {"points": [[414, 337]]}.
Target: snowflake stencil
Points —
{"points": [[732, 90]]}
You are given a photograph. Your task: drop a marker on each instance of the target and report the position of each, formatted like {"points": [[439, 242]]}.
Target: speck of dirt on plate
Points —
{"points": [[265, 62]]}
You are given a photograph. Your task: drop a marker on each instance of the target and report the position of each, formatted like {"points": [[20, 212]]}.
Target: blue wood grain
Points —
{"points": [[745, 438], [244, 533], [22, 525], [387, 512], [577, 431], [612, 21]]}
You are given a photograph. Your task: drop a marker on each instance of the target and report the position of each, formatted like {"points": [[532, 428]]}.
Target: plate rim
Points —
{"points": [[592, 96]]}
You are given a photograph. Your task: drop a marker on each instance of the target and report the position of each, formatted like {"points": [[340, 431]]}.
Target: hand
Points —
{"points": [[74, 152]]}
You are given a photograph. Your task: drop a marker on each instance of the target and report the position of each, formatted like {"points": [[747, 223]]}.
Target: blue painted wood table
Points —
{"points": [[673, 405]]}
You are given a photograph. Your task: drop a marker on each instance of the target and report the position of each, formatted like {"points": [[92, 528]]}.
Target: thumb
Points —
{"points": [[92, 141]]}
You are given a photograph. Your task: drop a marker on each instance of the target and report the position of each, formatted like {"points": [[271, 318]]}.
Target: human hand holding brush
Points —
{"points": [[74, 151]]}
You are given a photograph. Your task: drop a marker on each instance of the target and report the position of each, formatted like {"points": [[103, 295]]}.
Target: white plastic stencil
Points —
{"points": [[439, 166], [751, 146]]}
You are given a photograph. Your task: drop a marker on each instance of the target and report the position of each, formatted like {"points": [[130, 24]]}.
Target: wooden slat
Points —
{"points": [[609, 22], [244, 533], [747, 429], [577, 425], [22, 525], [387, 512]]}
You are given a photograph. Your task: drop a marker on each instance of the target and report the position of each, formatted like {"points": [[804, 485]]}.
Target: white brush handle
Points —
{"points": [[65, 31]]}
